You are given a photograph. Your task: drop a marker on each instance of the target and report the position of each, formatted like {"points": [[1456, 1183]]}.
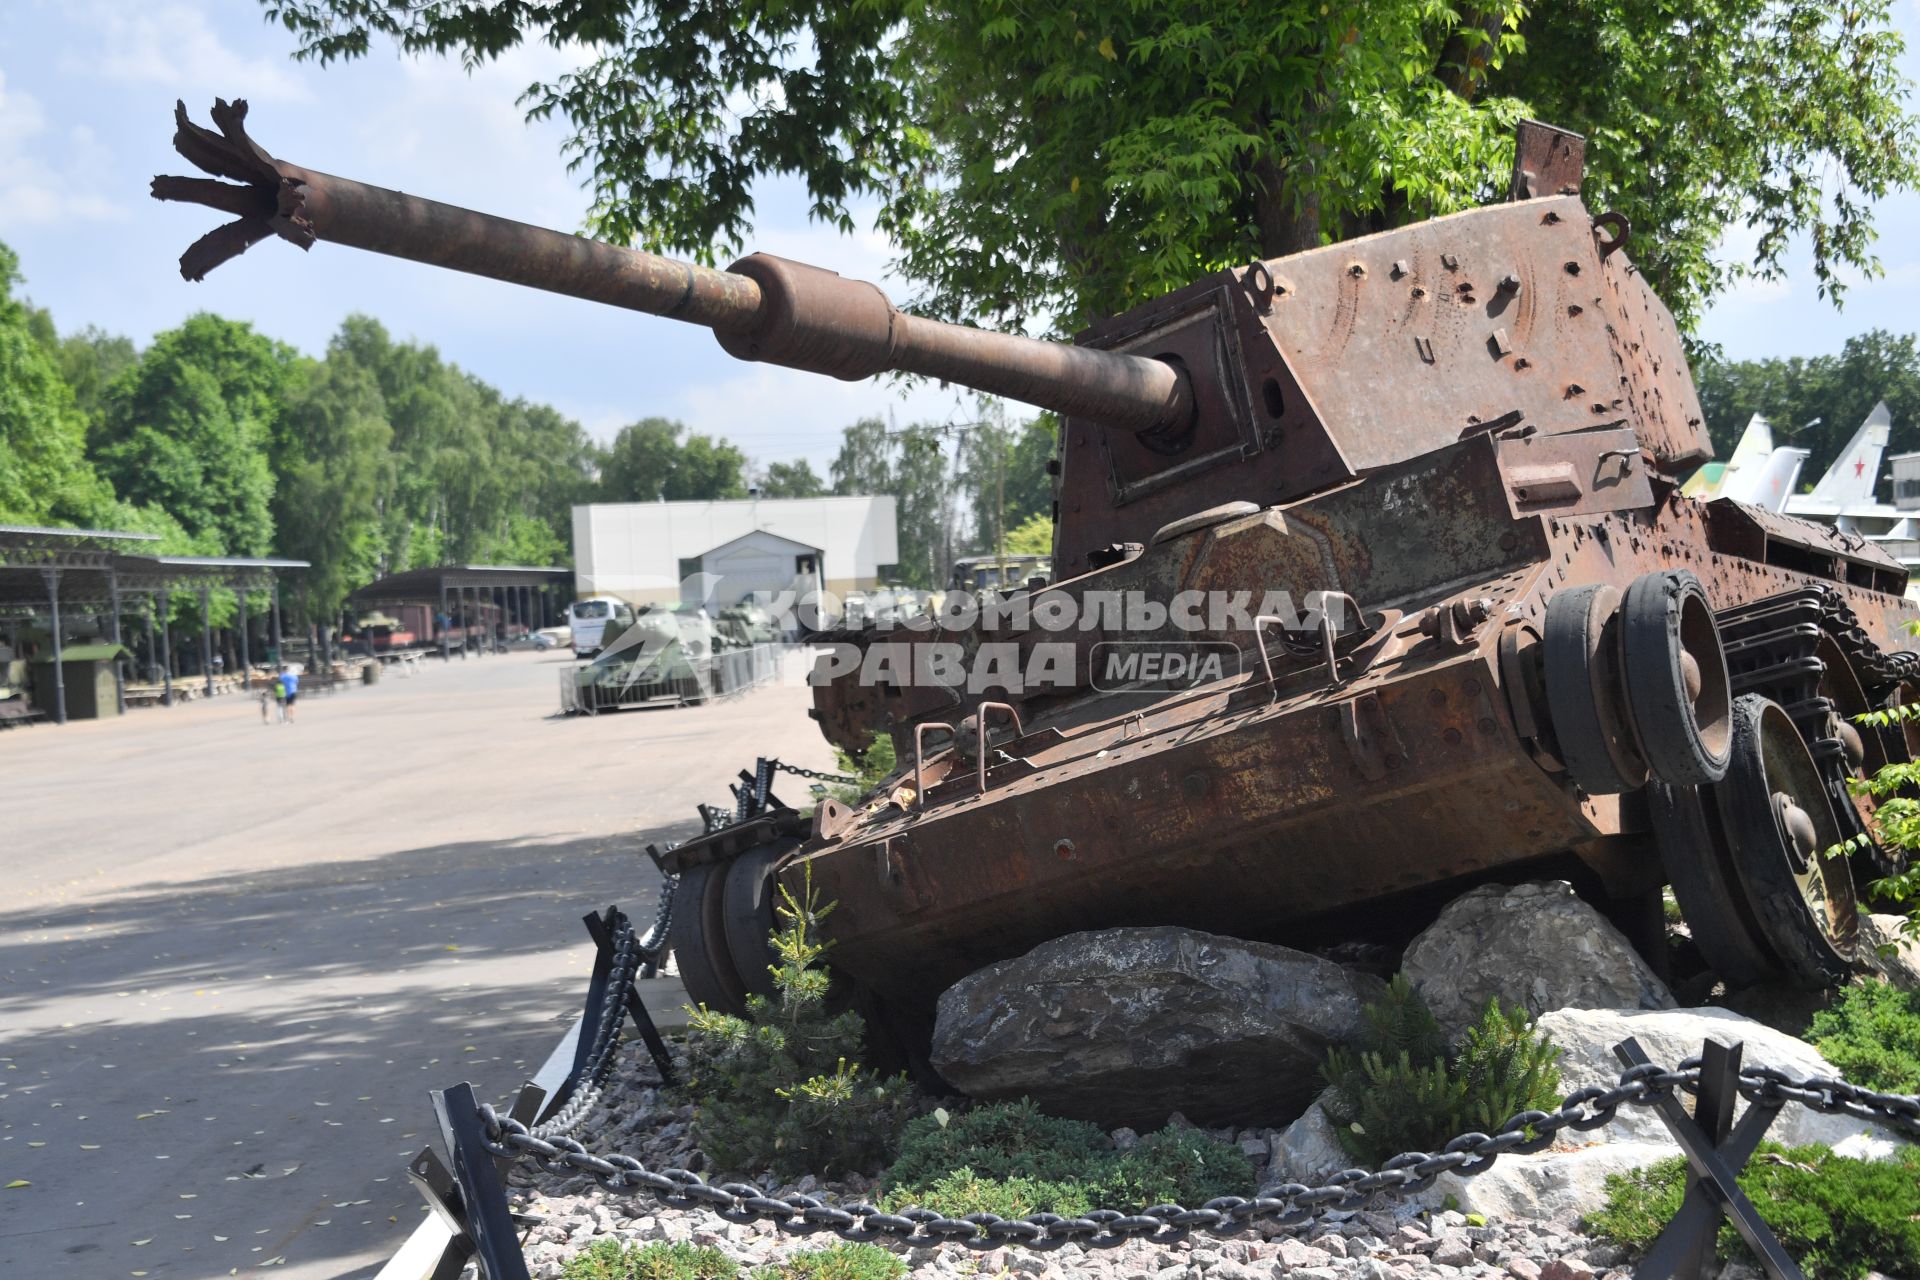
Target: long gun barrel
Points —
{"points": [[762, 308]]}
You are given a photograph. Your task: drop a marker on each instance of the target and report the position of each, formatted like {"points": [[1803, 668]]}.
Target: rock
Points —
{"points": [[1542, 1187], [1123, 1026], [1332, 1243], [1522, 1268], [1877, 1145], [1888, 951], [1668, 1036], [1566, 1269], [1537, 945], [1306, 1150], [1453, 1251], [1294, 1254]]}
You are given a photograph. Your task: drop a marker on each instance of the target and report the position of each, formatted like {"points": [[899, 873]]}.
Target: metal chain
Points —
{"points": [[591, 1081], [656, 939], [813, 774], [1287, 1205]]}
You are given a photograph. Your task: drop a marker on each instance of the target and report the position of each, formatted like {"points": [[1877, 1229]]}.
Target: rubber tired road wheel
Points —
{"points": [[748, 909], [1779, 823], [699, 940], [1577, 667], [1675, 675], [1686, 826]]}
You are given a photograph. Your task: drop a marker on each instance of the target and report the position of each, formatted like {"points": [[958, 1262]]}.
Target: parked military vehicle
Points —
{"points": [[1522, 651]]}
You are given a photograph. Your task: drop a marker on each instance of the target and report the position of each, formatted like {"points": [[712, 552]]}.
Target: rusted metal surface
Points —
{"points": [[1547, 161], [763, 308]]}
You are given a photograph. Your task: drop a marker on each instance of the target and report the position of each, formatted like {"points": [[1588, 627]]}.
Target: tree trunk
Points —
{"points": [[1283, 228]]}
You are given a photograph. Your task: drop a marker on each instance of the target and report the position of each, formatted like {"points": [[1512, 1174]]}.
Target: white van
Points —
{"points": [[588, 620]]}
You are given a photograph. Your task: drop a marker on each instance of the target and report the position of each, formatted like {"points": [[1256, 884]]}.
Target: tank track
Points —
{"points": [[1771, 649]]}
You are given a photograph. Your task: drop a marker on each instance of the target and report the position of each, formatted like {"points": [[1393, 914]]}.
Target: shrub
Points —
{"points": [[872, 767], [1012, 1159], [1840, 1218], [780, 1088], [1401, 1091], [611, 1260], [1872, 1035], [840, 1262]]}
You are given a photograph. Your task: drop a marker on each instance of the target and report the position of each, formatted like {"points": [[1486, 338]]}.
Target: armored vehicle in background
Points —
{"points": [[1515, 649]]}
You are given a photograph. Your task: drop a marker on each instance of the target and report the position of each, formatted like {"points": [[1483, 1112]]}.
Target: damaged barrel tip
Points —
{"points": [[271, 202]]}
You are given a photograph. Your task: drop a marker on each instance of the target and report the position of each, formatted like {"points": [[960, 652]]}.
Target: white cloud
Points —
{"points": [[173, 45], [44, 177]]}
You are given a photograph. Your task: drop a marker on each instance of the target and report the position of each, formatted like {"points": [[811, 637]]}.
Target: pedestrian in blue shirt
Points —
{"points": [[290, 681]]}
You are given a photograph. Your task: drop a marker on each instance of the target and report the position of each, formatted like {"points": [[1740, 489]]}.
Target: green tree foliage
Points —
{"points": [[45, 477], [649, 462], [792, 480], [1031, 537], [188, 429], [1003, 469], [476, 477], [1070, 161], [334, 469], [912, 466], [1839, 390], [1403, 1091], [1840, 1219], [780, 1088]]}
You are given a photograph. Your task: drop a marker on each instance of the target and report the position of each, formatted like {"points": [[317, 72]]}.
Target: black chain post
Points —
{"points": [[489, 1226], [601, 929], [1714, 1158], [442, 1191]]}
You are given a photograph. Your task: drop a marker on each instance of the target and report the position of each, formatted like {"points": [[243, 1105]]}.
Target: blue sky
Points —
{"points": [[86, 94]]}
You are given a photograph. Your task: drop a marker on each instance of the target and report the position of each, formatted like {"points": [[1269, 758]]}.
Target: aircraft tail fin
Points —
{"points": [[1770, 483], [1850, 480]]}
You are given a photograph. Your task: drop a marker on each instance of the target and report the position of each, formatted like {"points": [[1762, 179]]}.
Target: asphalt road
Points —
{"points": [[234, 957]]}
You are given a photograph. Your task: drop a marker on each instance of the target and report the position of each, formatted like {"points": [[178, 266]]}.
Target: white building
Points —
{"points": [[642, 551]]}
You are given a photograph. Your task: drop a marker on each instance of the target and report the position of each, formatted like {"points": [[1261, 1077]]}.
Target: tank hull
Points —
{"points": [[1275, 808]]}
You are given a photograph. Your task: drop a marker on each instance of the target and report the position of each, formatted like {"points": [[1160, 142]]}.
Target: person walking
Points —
{"points": [[290, 689]]}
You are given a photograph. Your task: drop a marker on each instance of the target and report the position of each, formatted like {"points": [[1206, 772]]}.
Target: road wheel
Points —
{"points": [[698, 933], [750, 894], [1579, 667], [1675, 675], [1686, 825], [1779, 822]]}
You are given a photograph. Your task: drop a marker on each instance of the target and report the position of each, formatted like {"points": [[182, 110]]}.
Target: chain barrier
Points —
{"points": [[813, 775], [655, 942], [1290, 1204], [591, 1080]]}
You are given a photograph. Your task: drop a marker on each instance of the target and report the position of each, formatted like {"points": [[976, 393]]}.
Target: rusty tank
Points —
{"points": [[1516, 649]]}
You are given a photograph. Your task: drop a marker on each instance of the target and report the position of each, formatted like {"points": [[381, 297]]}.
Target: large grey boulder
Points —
{"points": [[1308, 1150], [1543, 1187], [1126, 1026], [1889, 951], [1669, 1036], [1536, 945]]}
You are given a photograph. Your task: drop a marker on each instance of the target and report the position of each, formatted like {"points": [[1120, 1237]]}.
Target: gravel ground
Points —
{"points": [[1379, 1243]]}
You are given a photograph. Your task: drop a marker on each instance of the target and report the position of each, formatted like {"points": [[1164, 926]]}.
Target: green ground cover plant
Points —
{"points": [[844, 1261], [612, 1260], [1872, 1036], [1012, 1159], [1839, 1218]]}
